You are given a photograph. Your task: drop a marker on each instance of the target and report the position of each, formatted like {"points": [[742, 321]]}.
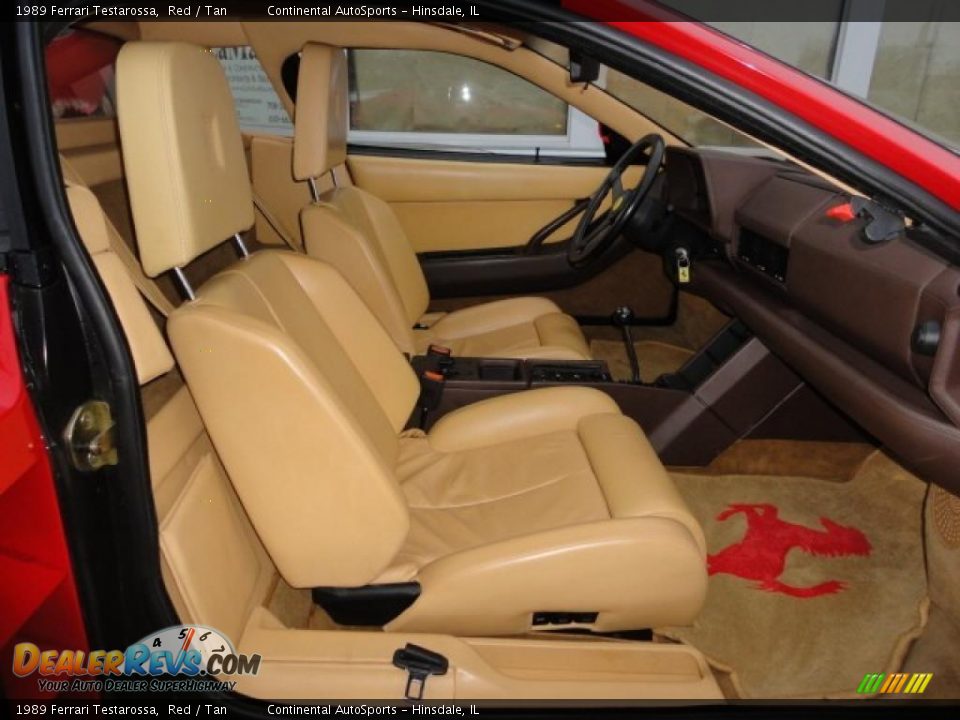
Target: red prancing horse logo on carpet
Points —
{"points": [[762, 554]]}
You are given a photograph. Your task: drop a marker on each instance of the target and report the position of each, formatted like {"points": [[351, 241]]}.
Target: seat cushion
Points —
{"points": [[526, 327], [549, 500], [466, 499]]}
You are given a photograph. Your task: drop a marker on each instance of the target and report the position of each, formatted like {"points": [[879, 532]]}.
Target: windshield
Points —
{"points": [[909, 71]]}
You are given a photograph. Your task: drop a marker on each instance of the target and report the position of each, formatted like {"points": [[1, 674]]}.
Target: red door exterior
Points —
{"points": [[38, 599]]}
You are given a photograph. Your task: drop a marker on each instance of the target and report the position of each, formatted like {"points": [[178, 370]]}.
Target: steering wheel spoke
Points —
{"points": [[617, 190], [594, 235]]}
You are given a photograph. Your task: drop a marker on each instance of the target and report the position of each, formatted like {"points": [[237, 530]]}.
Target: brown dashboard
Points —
{"points": [[874, 326]]}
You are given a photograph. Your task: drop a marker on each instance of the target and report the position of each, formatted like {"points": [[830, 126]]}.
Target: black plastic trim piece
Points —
{"points": [[368, 605], [508, 271], [546, 619], [440, 154]]}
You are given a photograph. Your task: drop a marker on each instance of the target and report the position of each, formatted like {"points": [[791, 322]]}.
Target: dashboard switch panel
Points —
{"points": [[764, 255]]}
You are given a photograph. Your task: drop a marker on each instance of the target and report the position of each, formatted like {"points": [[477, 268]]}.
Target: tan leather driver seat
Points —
{"points": [[546, 501], [359, 234]]}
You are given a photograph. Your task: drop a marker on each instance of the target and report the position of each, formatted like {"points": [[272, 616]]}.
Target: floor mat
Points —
{"points": [[837, 461], [813, 583], [656, 358]]}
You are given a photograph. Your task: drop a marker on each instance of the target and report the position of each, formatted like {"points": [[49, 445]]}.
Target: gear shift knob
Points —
{"points": [[623, 316]]}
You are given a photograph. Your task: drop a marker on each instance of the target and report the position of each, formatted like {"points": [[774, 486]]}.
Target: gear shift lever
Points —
{"points": [[622, 318]]}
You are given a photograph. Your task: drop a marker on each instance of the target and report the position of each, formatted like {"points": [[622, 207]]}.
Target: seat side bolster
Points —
{"points": [[516, 416], [311, 480], [630, 474], [635, 572], [492, 316]]}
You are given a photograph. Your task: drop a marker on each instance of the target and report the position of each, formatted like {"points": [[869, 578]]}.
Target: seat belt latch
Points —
{"points": [[439, 350], [431, 389], [420, 664]]}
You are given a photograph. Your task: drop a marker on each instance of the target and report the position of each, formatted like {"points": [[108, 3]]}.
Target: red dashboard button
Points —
{"points": [[843, 213]]}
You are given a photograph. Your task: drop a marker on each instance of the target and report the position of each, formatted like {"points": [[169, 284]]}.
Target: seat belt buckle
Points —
{"points": [[439, 358], [431, 389], [420, 664]]}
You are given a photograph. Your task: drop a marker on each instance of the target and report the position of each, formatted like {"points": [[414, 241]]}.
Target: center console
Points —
{"points": [[734, 387], [465, 371]]}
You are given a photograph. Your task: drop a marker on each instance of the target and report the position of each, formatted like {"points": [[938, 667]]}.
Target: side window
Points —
{"points": [[432, 100], [80, 74], [259, 110]]}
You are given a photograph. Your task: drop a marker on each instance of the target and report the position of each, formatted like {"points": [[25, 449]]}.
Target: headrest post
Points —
{"points": [[333, 178], [240, 246], [185, 286], [314, 193]]}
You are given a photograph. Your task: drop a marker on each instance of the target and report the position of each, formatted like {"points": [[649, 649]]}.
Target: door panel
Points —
{"points": [[451, 205]]}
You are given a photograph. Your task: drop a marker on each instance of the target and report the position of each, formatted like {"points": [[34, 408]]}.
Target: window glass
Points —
{"points": [[434, 92], [807, 46], [259, 109], [80, 74], [910, 70], [916, 75]]}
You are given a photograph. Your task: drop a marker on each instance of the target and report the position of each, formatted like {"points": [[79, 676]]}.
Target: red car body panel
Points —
{"points": [[892, 144], [38, 598]]}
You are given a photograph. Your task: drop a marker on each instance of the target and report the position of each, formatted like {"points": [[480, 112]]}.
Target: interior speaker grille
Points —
{"points": [[946, 516]]}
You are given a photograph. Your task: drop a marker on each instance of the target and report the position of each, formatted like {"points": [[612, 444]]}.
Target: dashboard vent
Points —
{"points": [[763, 254]]}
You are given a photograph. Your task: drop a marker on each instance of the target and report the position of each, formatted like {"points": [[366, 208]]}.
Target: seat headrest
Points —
{"points": [[182, 152], [320, 115]]}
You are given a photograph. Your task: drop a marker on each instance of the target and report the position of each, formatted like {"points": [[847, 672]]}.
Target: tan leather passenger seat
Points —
{"points": [[359, 234], [546, 501]]}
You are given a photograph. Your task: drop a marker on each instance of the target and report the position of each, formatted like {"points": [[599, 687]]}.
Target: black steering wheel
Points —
{"points": [[593, 235]]}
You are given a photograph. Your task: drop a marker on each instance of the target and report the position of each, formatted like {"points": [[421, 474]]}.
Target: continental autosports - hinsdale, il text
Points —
{"points": [[367, 11]]}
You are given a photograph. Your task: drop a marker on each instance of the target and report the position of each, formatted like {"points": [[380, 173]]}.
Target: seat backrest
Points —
{"points": [[349, 228], [301, 389], [215, 569]]}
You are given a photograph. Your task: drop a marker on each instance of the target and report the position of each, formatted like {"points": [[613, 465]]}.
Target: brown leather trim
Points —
{"points": [[945, 379], [893, 410]]}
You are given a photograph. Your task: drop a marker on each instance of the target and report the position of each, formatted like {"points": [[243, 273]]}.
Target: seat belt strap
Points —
{"points": [[147, 287], [272, 221]]}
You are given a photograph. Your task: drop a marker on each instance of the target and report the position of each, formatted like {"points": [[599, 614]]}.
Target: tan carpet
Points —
{"points": [[937, 651], [825, 583], [656, 358], [938, 648], [837, 461]]}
